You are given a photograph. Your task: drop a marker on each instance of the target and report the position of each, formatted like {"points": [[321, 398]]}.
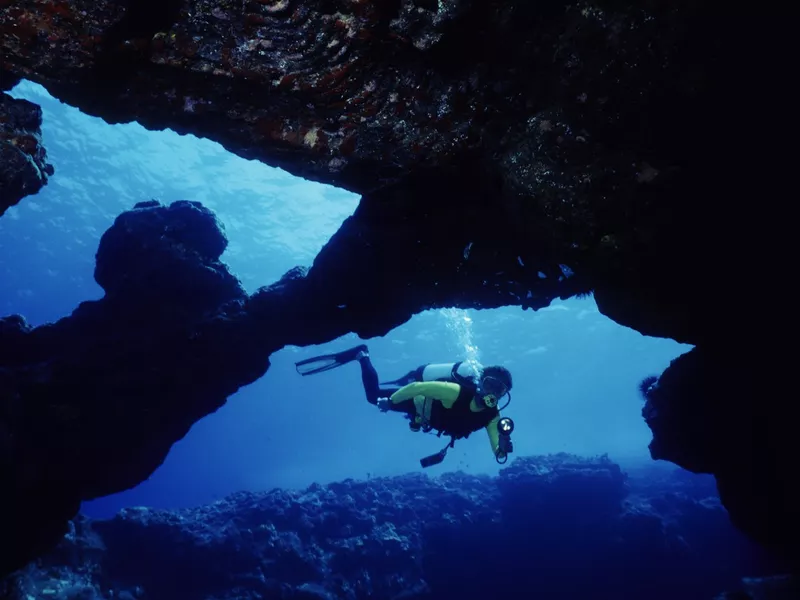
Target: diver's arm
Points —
{"points": [[494, 437], [444, 391]]}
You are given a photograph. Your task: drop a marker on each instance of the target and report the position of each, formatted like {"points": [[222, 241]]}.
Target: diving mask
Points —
{"points": [[492, 390]]}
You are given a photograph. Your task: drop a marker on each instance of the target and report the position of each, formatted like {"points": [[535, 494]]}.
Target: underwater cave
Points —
{"points": [[196, 196]]}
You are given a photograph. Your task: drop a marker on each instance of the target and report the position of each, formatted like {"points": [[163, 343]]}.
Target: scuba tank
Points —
{"points": [[462, 373]]}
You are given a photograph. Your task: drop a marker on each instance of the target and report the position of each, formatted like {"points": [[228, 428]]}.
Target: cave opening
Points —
{"points": [[49, 240], [575, 391]]}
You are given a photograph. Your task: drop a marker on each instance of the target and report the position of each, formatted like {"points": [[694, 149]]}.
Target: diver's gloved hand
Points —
{"points": [[384, 404]]}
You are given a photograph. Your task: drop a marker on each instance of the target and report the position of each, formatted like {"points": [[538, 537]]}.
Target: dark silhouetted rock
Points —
{"points": [[106, 391], [23, 160], [7, 81], [718, 410], [558, 527], [166, 255]]}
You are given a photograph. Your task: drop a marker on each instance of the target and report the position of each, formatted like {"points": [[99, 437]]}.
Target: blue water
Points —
{"points": [[575, 371]]}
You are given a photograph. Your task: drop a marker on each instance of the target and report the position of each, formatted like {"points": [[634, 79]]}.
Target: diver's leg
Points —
{"points": [[410, 377], [369, 377]]}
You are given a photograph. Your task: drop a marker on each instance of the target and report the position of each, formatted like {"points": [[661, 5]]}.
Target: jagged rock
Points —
{"points": [[23, 160], [515, 152], [701, 419], [96, 391], [350, 81], [350, 275], [412, 536]]}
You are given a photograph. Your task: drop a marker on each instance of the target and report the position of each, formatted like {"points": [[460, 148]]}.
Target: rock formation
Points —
{"points": [[23, 160]]}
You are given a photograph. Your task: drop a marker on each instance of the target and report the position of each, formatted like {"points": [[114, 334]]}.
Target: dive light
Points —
{"points": [[505, 426]]}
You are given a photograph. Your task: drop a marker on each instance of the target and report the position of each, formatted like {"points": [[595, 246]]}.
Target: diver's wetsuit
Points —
{"points": [[423, 373], [441, 397], [372, 386], [443, 405]]}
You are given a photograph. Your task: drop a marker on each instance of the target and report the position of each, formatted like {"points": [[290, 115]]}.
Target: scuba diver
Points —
{"points": [[455, 399]]}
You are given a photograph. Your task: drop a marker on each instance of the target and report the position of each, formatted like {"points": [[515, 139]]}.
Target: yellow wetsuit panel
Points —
{"points": [[443, 391], [494, 434], [447, 393]]}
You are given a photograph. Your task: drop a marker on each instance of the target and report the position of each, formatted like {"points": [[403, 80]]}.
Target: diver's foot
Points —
{"points": [[354, 353], [357, 352]]}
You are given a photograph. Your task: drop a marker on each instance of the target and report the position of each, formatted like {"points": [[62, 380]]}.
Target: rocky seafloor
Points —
{"points": [[553, 527]]}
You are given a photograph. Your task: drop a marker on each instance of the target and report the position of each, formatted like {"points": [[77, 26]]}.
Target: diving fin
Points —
{"points": [[326, 362], [433, 459]]}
